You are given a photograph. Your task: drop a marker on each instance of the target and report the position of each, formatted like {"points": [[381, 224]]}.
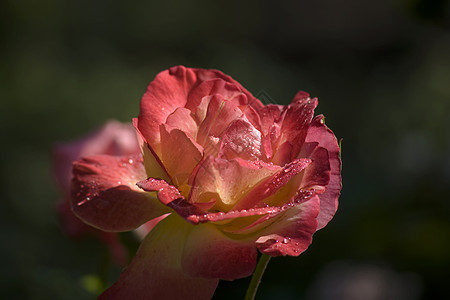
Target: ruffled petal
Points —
{"points": [[153, 164], [212, 87], [105, 195], [156, 271], [216, 82], [241, 139], [227, 180], [290, 233], [164, 94], [296, 120], [256, 197], [270, 115], [171, 89], [220, 114], [171, 196], [320, 135], [208, 253], [182, 119], [180, 154]]}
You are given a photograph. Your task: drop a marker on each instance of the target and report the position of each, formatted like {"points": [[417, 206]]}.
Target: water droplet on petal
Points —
{"points": [[288, 168]]}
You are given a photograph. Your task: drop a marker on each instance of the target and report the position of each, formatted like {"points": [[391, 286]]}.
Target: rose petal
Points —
{"points": [[219, 115], [270, 115], [180, 154], [271, 185], [296, 120], [221, 87], [165, 93], [169, 90], [156, 272], [318, 173], [227, 180], [241, 139], [153, 164], [291, 232], [182, 119], [170, 196], [104, 194], [319, 133], [208, 253], [215, 82], [145, 228]]}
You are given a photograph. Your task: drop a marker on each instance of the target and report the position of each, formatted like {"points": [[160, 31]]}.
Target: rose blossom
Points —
{"points": [[229, 176]]}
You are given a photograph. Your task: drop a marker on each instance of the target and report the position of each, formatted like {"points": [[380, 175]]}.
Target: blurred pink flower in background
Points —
{"points": [[226, 175], [113, 138]]}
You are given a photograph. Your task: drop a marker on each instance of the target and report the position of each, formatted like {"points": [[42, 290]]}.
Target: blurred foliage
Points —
{"points": [[381, 70]]}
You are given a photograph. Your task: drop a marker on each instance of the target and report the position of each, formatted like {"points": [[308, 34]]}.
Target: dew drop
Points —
{"points": [[288, 169], [130, 161]]}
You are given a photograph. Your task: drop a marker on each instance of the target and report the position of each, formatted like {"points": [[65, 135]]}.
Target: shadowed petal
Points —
{"points": [[296, 119], [320, 134], [153, 164], [269, 115], [156, 272], [209, 253], [113, 138], [104, 194], [291, 231]]}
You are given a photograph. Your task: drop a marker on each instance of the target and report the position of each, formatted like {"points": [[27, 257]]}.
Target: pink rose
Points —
{"points": [[229, 176]]}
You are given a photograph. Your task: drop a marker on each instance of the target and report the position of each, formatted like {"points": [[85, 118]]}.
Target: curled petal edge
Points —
{"points": [[104, 194]]}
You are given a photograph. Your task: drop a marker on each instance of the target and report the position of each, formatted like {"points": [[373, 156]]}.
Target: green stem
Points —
{"points": [[256, 278]]}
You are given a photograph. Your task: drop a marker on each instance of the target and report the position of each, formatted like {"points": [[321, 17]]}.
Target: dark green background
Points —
{"points": [[381, 71]]}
